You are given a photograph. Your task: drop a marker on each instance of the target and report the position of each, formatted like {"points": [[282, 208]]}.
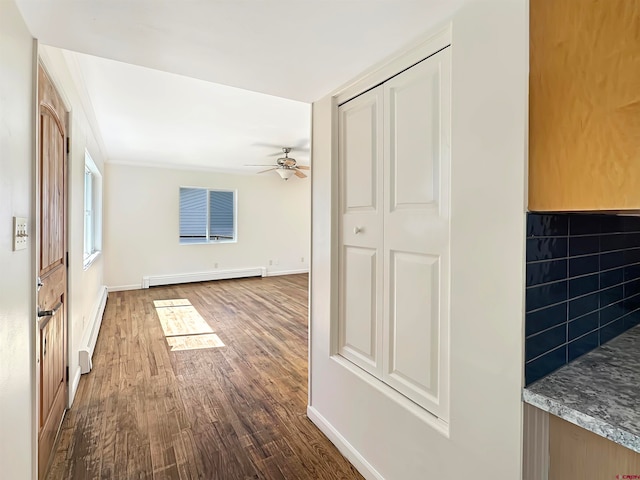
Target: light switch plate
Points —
{"points": [[20, 233]]}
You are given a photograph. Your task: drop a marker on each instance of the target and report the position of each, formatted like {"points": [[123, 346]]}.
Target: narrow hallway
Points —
{"points": [[226, 400]]}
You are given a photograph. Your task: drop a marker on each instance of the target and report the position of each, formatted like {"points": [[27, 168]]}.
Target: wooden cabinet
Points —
{"points": [[394, 143], [584, 105], [555, 449], [577, 453]]}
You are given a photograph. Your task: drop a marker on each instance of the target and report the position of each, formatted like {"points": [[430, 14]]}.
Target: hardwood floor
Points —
{"points": [[229, 412]]}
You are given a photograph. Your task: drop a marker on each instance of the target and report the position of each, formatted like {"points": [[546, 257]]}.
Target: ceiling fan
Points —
{"points": [[285, 166]]}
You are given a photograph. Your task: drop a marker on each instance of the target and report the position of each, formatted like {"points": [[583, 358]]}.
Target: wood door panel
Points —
{"points": [[52, 386], [50, 293], [52, 269], [52, 362], [52, 188]]}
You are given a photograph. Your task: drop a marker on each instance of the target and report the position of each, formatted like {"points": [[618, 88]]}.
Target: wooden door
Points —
{"points": [[360, 302], [416, 232], [52, 268]]}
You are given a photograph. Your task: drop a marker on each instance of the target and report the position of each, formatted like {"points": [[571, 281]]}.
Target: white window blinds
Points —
{"points": [[193, 213], [207, 215], [221, 215]]}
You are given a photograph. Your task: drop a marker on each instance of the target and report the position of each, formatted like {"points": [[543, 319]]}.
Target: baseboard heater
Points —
{"points": [[156, 280], [88, 343]]}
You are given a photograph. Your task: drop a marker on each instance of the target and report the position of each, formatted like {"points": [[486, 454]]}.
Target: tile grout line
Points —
{"points": [[615, 298], [574, 319], [566, 343], [584, 255], [578, 297], [596, 272]]}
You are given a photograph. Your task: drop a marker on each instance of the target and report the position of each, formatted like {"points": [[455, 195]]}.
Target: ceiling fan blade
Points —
{"points": [[299, 174], [261, 165], [303, 167], [268, 170]]}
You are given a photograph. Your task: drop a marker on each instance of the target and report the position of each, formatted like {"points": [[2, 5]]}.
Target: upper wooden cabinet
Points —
{"points": [[584, 105]]}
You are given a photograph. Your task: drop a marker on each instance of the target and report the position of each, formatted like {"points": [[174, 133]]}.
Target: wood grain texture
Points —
{"points": [[584, 105], [535, 448], [231, 412], [52, 246], [578, 453], [52, 174]]}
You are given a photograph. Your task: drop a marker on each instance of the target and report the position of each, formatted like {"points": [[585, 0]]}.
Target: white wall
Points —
{"points": [[85, 286], [489, 111], [141, 224], [17, 319]]}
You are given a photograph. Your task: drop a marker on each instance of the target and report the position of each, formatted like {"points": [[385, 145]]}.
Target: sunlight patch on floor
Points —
{"points": [[194, 342], [183, 327]]}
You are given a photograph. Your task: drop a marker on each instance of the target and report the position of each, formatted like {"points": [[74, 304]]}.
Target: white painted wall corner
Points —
{"points": [[345, 448]]}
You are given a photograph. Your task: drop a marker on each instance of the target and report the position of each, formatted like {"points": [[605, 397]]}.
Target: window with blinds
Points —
{"points": [[207, 216]]}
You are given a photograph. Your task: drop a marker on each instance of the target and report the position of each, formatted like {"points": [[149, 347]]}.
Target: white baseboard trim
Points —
{"points": [[122, 288], [345, 448], [88, 342], [156, 280], [286, 272], [73, 387]]}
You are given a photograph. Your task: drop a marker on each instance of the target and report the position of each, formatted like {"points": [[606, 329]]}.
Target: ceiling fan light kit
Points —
{"points": [[285, 173], [285, 166]]}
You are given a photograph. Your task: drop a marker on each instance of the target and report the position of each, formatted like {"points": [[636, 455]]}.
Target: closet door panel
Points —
{"points": [[414, 107], [361, 154], [416, 233], [414, 329], [360, 231], [358, 334]]}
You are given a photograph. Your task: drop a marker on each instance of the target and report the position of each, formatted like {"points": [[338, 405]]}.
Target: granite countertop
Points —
{"points": [[600, 391]]}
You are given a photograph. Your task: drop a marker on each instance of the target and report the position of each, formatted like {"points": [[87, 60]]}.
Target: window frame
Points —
{"points": [[92, 211], [207, 239]]}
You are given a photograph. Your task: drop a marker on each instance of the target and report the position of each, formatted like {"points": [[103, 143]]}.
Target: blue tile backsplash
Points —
{"points": [[583, 286]]}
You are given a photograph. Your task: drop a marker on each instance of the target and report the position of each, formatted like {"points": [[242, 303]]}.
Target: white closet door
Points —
{"points": [[416, 233], [361, 254]]}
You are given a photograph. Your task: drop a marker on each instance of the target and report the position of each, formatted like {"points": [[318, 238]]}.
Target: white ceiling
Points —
{"points": [[149, 117], [298, 50]]}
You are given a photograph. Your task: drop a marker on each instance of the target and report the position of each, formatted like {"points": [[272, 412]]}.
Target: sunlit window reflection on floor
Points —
{"points": [[184, 328]]}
